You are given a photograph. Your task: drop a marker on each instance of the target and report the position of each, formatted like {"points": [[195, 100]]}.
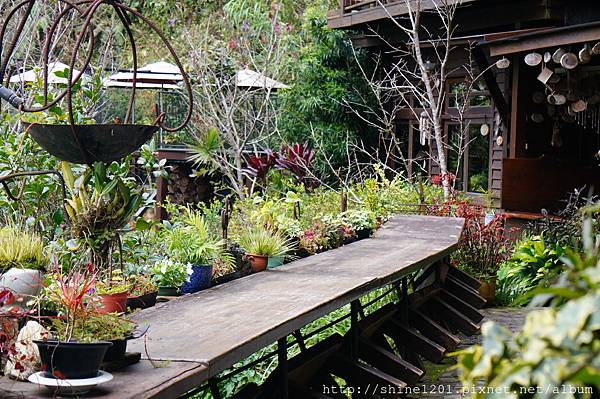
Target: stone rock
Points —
{"points": [[26, 359]]}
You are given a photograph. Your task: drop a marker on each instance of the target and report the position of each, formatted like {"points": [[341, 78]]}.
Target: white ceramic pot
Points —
{"points": [[24, 283]]}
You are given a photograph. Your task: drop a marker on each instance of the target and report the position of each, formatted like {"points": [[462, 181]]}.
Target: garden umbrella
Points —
{"points": [[34, 74]]}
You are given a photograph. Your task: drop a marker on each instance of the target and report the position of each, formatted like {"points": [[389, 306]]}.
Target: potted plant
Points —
{"points": [[23, 260], [190, 242], [113, 293], [361, 221], [261, 244], [169, 275], [143, 292], [73, 349]]}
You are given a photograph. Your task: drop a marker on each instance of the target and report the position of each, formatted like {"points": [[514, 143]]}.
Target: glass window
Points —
{"points": [[479, 158], [469, 149], [479, 96]]}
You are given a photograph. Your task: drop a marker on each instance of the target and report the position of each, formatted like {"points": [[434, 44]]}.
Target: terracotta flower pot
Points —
{"points": [[488, 290], [259, 262], [113, 303]]}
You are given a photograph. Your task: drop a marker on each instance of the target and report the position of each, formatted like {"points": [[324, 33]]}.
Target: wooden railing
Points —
{"points": [[348, 6]]}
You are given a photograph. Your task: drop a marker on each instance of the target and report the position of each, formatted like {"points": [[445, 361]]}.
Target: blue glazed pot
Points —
{"points": [[275, 261], [199, 280]]}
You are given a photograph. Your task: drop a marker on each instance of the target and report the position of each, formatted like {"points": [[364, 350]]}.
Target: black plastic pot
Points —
{"points": [[228, 277], [116, 351], [142, 301], [71, 360], [363, 233], [84, 144]]}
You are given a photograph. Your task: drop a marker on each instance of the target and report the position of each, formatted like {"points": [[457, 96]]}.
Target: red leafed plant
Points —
{"points": [[297, 159], [73, 292], [9, 329], [482, 247], [259, 165]]}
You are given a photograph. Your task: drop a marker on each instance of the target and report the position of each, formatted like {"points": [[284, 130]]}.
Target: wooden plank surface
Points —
{"points": [[139, 381], [200, 335], [220, 326]]}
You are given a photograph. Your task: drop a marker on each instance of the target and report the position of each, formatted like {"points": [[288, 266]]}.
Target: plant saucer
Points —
{"points": [[70, 387]]}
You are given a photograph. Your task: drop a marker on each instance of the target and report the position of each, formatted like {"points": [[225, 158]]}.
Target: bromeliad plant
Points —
{"points": [[98, 206], [298, 160]]}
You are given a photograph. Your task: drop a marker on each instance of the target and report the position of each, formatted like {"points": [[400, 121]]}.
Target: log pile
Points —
{"points": [[183, 188]]}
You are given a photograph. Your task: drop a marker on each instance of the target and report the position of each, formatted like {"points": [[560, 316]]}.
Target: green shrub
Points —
{"points": [[534, 262]]}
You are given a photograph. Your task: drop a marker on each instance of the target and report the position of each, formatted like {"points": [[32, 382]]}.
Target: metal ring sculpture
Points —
{"points": [[87, 143]]}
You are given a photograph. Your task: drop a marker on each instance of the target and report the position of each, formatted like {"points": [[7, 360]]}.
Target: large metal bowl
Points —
{"points": [[85, 144]]}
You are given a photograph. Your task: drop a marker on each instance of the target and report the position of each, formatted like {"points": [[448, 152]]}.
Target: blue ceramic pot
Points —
{"points": [[275, 261], [199, 280]]}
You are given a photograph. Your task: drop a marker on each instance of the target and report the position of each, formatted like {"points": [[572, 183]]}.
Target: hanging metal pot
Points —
{"points": [[569, 61], [537, 118], [503, 63], [596, 49], [556, 56], [578, 106], [547, 57], [533, 59], [584, 55]]}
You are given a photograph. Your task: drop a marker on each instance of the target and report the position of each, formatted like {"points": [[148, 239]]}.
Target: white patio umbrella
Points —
{"points": [[251, 79], [158, 76], [37, 73]]}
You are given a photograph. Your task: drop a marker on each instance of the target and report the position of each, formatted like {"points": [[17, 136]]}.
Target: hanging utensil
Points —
{"points": [[545, 75], [584, 55], [533, 59], [484, 129], [557, 55], [538, 97], [503, 63], [547, 57], [596, 49], [578, 106], [555, 78], [569, 61]]}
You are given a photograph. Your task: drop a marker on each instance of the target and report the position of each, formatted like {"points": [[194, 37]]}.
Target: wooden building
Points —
{"points": [[542, 112]]}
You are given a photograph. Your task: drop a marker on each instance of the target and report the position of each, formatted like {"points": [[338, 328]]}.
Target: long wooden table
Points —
{"points": [[195, 337]]}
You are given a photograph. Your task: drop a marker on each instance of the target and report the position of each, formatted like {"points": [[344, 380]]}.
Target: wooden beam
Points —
{"points": [[358, 374], [462, 306], [492, 84], [433, 330], [464, 278], [388, 362], [464, 292], [545, 40], [414, 341], [441, 310]]}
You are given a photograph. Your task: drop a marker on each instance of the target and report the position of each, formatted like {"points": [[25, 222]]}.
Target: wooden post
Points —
{"points": [[354, 310], [283, 366], [161, 194]]}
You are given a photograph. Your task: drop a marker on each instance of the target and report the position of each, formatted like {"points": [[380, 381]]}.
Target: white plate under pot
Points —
{"points": [[70, 387]]}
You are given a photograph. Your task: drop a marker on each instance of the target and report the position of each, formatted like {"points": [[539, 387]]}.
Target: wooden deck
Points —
{"points": [[203, 334]]}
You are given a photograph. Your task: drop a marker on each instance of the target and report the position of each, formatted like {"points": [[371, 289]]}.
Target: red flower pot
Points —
{"points": [[259, 263], [113, 303]]}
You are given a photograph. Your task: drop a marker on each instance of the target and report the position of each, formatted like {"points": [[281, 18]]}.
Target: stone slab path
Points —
{"points": [[441, 381]]}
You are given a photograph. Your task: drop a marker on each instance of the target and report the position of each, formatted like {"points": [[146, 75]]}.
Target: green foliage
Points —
{"points": [[86, 96], [97, 327], [100, 202], [169, 273], [325, 77], [21, 248], [359, 219], [260, 241], [558, 347], [534, 262], [190, 241]]}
